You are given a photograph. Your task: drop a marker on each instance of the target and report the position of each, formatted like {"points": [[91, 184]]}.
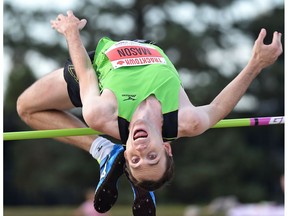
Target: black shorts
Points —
{"points": [[72, 81]]}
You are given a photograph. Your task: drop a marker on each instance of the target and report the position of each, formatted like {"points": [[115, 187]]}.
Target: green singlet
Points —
{"points": [[133, 71]]}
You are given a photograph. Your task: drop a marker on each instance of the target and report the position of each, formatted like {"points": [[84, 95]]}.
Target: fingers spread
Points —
{"points": [[261, 36], [82, 24], [276, 38], [60, 17], [70, 13], [52, 22]]}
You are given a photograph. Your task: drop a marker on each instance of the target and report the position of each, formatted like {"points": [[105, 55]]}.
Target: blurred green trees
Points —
{"points": [[206, 41]]}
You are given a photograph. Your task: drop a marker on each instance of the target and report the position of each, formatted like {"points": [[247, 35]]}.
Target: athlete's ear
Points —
{"points": [[125, 154], [168, 148]]}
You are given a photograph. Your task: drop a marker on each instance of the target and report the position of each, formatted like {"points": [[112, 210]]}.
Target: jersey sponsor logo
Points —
{"points": [[130, 53], [129, 97]]}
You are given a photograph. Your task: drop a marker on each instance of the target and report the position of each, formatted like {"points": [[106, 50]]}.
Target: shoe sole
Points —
{"points": [[107, 194], [143, 204]]}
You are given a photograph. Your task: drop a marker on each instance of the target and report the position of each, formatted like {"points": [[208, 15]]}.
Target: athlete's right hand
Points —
{"points": [[65, 24], [265, 55]]}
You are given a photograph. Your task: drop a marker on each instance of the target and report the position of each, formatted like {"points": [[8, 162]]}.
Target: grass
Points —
{"points": [[162, 210], [68, 211]]}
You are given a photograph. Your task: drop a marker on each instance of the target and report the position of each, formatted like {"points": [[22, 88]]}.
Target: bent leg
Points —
{"points": [[44, 106]]}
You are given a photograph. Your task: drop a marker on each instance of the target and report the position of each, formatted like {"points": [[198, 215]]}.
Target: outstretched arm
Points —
{"points": [[70, 26], [262, 57]]}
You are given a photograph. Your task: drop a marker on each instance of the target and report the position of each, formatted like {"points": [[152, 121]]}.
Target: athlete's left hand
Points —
{"points": [[66, 24]]}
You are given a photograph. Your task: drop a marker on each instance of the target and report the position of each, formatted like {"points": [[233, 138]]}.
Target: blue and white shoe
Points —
{"points": [[111, 168], [144, 202]]}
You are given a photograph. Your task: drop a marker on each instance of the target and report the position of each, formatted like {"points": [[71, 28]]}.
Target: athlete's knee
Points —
{"points": [[25, 105], [22, 106]]}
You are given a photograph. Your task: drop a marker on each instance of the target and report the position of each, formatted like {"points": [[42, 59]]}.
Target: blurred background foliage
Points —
{"points": [[209, 42]]}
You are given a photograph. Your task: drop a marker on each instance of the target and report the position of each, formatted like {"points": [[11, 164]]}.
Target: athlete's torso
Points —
{"points": [[133, 72]]}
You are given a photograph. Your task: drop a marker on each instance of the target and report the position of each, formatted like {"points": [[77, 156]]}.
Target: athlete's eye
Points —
{"points": [[135, 159], [152, 156]]}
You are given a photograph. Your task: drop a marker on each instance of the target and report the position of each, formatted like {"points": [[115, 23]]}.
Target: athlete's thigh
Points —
{"points": [[49, 92]]}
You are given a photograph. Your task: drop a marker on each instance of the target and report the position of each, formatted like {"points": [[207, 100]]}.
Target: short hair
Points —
{"points": [[150, 185]]}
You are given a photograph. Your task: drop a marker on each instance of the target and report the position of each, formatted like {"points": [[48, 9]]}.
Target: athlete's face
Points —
{"points": [[146, 152]]}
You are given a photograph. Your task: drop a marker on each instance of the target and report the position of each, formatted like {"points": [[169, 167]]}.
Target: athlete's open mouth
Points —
{"points": [[139, 134]]}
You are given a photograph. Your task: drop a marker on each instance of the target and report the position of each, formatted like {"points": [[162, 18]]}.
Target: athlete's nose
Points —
{"points": [[141, 147]]}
